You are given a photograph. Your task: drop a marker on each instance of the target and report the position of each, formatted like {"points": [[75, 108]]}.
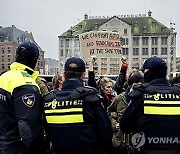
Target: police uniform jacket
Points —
{"points": [[154, 114], [20, 108], [77, 122]]}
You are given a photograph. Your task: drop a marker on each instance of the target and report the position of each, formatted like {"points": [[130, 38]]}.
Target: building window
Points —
{"points": [[135, 62], [9, 58], [124, 51], [2, 66], [154, 51], [77, 43], [115, 31], [144, 51], [1, 38], [154, 40], [62, 43], [9, 66], [163, 51], [70, 53], [163, 30], [67, 51], [126, 41], [163, 40], [2, 59], [67, 43], [145, 41], [103, 61], [125, 31], [145, 29], [135, 51], [61, 53], [154, 23], [136, 24], [136, 41], [3, 51]]}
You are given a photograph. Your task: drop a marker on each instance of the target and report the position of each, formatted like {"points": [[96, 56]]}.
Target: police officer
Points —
{"points": [[77, 121], [20, 104], [154, 113]]}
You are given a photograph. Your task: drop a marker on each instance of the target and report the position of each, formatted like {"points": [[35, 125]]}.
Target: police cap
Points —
{"points": [[75, 64]]}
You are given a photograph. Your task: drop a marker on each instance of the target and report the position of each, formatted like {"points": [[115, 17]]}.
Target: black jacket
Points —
{"points": [[154, 116], [120, 81], [77, 121], [20, 110]]}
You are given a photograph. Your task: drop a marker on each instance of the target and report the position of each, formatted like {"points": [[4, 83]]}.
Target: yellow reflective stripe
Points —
{"points": [[64, 110], [64, 119], [161, 102], [162, 110], [14, 78]]}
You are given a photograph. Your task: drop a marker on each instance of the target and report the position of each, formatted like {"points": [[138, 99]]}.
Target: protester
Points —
{"points": [[121, 140], [174, 80], [106, 91], [153, 113], [118, 87], [91, 74], [21, 105], [57, 82], [43, 85], [77, 122]]}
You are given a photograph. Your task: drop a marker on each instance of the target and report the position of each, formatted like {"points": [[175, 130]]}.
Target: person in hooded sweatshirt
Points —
{"points": [[20, 104], [153, 113]]}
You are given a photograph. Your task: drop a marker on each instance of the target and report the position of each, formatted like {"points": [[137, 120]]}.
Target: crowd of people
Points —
{"points": [[138, 113]]}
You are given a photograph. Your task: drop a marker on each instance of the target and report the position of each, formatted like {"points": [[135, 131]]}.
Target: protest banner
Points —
{"points": [[100, 44]]}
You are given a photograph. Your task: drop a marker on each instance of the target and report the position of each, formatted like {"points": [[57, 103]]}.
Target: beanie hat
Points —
{"points": [[28, 49], [27, 53], [75, 64]]}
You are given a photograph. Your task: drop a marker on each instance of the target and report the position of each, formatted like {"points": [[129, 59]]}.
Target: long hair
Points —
{"points": [[56, 80]]}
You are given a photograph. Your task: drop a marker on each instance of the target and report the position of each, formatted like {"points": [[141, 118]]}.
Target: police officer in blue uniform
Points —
{"points": [[154, 112], [20, 104], [77, 122]]}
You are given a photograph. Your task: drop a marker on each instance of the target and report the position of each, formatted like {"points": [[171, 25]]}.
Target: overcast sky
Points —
{"points": [[47, 19]]}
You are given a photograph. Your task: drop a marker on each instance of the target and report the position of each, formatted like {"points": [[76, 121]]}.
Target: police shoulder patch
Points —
{"points": [[28, 100]]}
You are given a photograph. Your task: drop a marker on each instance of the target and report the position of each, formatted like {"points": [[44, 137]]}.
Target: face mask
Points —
{"points": [[153, 74], [148, 76]]}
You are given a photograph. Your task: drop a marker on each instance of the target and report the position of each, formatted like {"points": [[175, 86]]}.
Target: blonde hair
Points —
{"points": [[131, 73], [56, 80], [104, 81]]}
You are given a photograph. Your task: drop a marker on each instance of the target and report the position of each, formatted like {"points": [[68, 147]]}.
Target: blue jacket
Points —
{"points": [[77, 122], [154, 116], [20, 110]]}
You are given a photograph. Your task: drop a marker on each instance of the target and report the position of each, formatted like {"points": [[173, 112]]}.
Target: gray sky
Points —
{"points": [[47, 19]]}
